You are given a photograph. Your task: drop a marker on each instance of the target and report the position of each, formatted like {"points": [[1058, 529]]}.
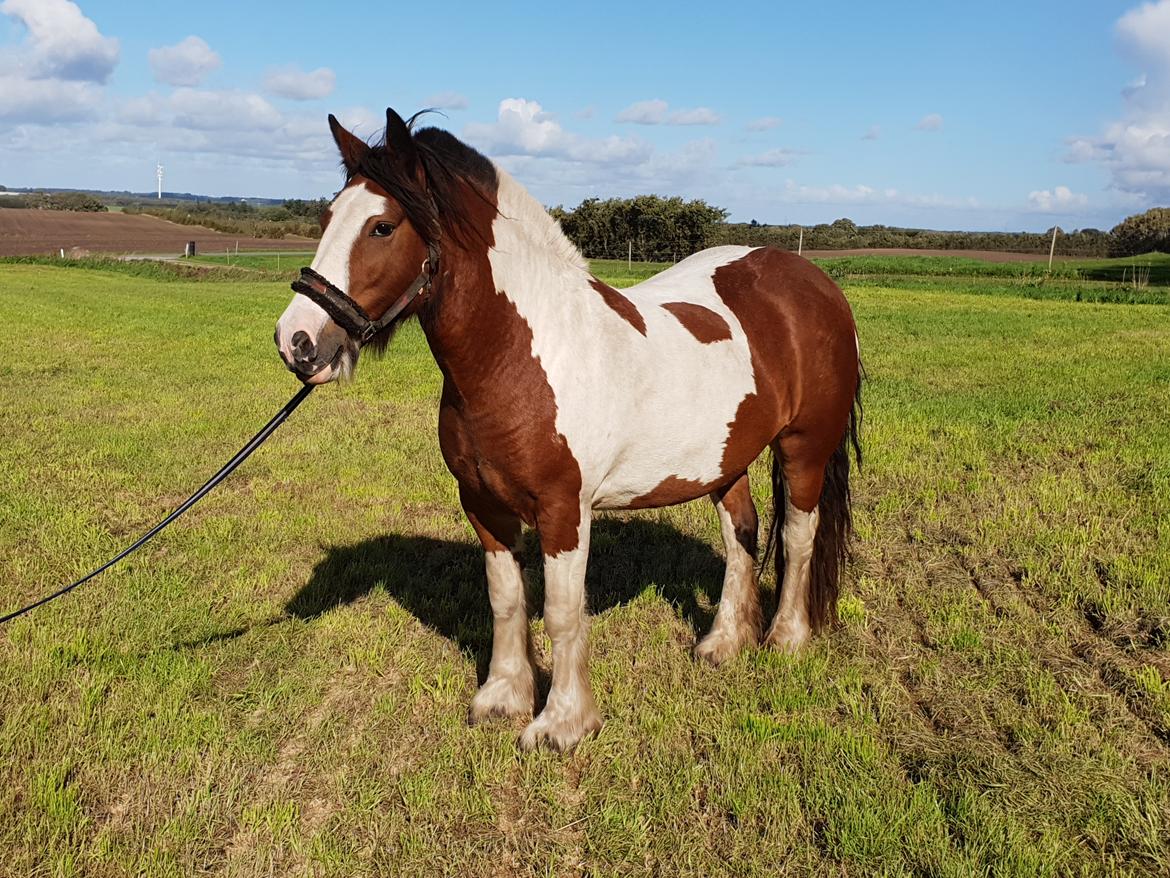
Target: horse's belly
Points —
{"points": [[665, 451]]}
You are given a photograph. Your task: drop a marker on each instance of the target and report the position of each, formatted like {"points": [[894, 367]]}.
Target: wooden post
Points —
{"points": [[1052, 248], [800, 243]]}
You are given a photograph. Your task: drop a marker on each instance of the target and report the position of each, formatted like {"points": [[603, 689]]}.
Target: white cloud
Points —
{"points": [[186, 63], [764, 123], [1056, 200], [1135, 148], [300, 85], [223, 110], [586, 112], [657, 112], [837, 193], [696, 116], [773, 158], [447, 100], [61, 43], [872, 133], [523, 128], [1145, 32], [930, 122], [645, 113], [47, 100]]}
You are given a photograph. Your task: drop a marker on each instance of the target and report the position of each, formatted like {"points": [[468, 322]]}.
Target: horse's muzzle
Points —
{"points": [[309, 362]]}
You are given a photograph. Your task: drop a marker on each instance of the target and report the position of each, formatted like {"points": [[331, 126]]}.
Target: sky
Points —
{"points": [[942, 114]]}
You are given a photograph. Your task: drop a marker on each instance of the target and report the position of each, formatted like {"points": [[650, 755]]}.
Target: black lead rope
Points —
{"points": [[241, 455]]}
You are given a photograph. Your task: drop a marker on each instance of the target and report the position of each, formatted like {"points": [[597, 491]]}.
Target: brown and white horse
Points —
{"points": [[563, 396]]}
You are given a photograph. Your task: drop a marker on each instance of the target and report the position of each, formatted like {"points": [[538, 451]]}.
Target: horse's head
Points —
{"points": [[377, 253]]}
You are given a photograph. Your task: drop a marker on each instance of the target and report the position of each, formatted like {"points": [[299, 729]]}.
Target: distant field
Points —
{"points": [[278, 684], [29, 232]]}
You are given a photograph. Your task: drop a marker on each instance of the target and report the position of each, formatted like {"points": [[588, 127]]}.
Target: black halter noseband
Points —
{"points": [[348, 314]]}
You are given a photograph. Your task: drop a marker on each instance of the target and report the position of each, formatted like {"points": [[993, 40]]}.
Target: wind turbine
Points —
{"points": [[158, 171]]}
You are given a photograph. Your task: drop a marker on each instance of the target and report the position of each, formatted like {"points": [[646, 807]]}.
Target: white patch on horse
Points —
{"points": [[736, 620], [570, 713], [790, 629], [349, 213], [509, 687], [634, 409]]}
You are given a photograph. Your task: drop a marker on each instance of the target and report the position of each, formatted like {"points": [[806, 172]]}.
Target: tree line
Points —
{"points": [[651, 228], [81, 202], [667, 229], [294, 216]]}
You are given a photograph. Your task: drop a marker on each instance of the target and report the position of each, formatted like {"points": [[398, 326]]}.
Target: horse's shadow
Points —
{"points": [[442, 582]]}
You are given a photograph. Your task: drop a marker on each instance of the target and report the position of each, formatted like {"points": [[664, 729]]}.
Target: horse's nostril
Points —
{"points": [[303, 348]]}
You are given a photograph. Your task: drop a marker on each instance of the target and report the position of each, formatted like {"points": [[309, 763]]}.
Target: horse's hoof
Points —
{"points": [[501, 697], [717, 647], [787, 638], [561, 734]]}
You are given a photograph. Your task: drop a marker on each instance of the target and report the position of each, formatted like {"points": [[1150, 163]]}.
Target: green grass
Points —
{"points": [[278, 684], [287, 262], [1137, 280]]}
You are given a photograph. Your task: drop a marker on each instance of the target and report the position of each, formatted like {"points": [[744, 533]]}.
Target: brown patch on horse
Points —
{"points": [[497, 415], [703, 323], [386, 266], [800, 332], [670, 491], [737, 500], [807, 408], [622, 306]]}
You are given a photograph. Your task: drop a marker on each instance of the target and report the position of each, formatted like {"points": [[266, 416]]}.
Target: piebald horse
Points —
{"points": [[563, 396]]}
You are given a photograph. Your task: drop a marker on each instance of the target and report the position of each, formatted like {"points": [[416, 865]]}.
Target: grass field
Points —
{"points": [[1138, 280], [278, 684]]}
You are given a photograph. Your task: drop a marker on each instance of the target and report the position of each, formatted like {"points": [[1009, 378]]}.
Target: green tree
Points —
{"points": [[1141, 233]]}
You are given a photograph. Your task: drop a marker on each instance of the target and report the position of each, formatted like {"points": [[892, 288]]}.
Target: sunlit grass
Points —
{"points": [[278, 684]]}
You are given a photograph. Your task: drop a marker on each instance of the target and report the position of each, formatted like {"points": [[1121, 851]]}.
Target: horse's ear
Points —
{"points": [[353, 149], [398, 139]]}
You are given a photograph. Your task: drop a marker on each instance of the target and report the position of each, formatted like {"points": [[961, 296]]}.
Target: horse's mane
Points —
{"points": [[446, 162]]}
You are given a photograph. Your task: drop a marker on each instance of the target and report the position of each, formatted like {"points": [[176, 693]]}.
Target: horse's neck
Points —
{"points": [[531, 264]]}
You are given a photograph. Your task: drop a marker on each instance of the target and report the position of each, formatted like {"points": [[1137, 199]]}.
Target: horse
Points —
{"points": [[563, 396]]}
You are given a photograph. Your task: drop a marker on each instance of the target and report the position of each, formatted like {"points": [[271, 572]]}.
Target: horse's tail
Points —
{"points": [[834, 527]]}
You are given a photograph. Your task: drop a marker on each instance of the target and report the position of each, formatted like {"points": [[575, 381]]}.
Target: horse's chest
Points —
{"points": [[495, 454]]}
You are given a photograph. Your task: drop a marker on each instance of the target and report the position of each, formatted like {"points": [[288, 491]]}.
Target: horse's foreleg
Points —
{"points": [[737, 622], [508, 689], [570, 712]]}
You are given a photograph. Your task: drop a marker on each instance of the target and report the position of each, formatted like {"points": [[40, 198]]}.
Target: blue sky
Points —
{"points": [[941, 114]]}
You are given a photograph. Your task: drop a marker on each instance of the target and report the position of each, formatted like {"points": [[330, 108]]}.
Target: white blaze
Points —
{"points": [[350, 211]]}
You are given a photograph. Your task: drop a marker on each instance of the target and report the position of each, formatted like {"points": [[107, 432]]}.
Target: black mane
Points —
{"points": [[446, 162]]}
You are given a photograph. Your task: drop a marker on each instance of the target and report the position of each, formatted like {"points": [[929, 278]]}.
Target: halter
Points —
{"points": [[348, 314]]}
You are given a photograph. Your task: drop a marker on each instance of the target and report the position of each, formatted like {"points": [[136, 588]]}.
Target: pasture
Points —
{"points": [[278, 684]]}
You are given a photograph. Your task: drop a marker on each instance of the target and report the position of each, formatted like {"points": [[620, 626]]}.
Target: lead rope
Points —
{"points": [[240, 456]]}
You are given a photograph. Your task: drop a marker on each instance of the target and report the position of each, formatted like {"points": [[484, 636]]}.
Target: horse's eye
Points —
{"points": [[382, 230]]}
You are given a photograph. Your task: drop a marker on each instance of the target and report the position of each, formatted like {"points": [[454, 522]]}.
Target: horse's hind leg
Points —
{"points": [[796, 505], [508, 689], [737, 622]]}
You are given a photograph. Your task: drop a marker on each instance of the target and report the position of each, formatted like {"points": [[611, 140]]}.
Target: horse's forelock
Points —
{"points": [[433, 185]]}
